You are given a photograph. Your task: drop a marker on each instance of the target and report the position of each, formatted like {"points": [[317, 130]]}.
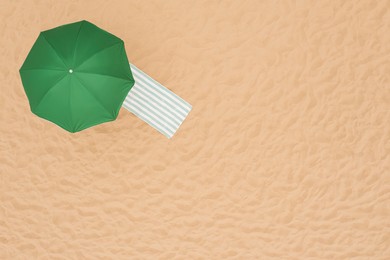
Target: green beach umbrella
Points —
{"points": [[77, 76]]}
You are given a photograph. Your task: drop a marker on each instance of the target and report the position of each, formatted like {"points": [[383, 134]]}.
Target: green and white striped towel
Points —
{"points": [[155, 104]]}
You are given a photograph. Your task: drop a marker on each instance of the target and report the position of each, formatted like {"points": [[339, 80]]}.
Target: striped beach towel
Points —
{"points": [[155, 104]]}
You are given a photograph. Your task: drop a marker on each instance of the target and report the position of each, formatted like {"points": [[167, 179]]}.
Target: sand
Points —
{"points": [[285, 154]]}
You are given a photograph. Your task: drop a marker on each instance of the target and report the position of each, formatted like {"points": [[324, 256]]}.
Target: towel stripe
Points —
{"points": [[146, 106], [164, 91], [146, 118], [158, 99], [156, 90], [156, 105], [153, 107]]}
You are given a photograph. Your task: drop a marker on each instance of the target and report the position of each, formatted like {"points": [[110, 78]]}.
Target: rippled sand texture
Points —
{"points": [[285, 155]]}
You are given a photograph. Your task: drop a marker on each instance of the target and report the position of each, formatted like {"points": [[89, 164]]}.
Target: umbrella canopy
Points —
{"points": [[77, 76]]}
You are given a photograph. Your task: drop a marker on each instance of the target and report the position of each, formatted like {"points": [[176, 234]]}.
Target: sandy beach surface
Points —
{"points": [[285, 155]]}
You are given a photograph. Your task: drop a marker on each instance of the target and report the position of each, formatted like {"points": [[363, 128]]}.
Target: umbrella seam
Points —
{"points": [[55, 51], [75, 45], [52, 87], [104, 75], [126, 60], [70, 106], [98, 52], [93, 95], [41, 69]]}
